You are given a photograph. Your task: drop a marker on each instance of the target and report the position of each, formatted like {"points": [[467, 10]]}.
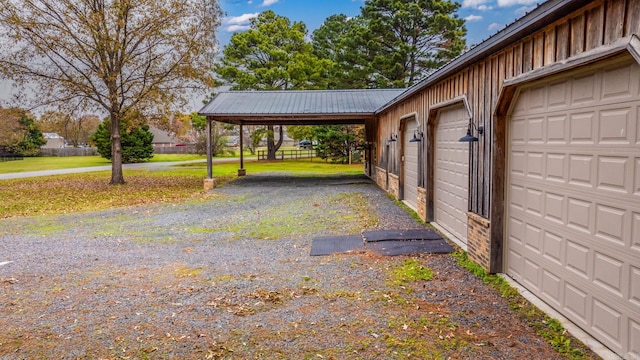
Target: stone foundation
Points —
{"points": [[478, 240], [422, 204], [394, 186]]}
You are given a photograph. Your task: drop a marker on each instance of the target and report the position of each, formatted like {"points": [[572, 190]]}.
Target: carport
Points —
{"points": [[294, 107]]}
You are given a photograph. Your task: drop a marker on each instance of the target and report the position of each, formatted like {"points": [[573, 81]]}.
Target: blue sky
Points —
{"points": [[484, 17]]}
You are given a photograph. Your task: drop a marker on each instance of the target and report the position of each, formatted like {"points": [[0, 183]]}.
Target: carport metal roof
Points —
{"points": [[298, 107]]}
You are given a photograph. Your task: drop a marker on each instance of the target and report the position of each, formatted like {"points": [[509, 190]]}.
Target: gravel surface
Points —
{"points": [[231, 277]]}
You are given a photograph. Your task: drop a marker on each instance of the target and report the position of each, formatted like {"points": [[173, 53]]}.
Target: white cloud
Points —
{"points": [[235, 28], [494, 26], [474, 4], [523, 10], [239, 23], [484, 8], [508, 3], [240, 20], [473, 18], [268, 2]]}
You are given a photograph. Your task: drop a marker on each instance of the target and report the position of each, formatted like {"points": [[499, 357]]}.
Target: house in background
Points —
{"points": [[54, 141], [162, 138], [524, 151]]}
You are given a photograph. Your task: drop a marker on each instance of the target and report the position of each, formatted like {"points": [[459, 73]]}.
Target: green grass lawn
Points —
{"points": [[91, 191], [69, 162]]}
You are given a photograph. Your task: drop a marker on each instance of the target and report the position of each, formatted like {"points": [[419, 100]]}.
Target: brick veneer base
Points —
{"points": [[478, 240]]}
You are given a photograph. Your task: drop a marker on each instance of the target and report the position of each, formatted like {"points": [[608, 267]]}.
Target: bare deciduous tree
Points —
{"points": [[120, 56]]}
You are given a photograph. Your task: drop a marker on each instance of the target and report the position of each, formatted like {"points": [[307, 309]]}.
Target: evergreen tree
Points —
{"points": [[272, 55], [412, 38], [137, 142], [32, 139]]}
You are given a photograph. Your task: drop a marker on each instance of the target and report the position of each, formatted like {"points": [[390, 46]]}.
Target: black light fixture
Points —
{"points": [[416, 138], [469, 137], [392, 138]]}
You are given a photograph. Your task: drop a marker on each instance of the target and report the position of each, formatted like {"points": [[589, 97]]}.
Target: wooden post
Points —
{"points": [[209, 182], [242, 171]]}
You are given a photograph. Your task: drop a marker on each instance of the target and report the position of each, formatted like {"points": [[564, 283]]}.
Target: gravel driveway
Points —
{"points": [[231, 277]]}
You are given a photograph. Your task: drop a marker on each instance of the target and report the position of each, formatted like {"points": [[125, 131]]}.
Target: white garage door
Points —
{"points": [[573, 220], [410, 170], [452, 171]]}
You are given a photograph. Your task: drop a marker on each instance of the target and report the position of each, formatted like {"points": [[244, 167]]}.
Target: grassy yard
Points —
{"points": [[91, 191], [69, 162]]}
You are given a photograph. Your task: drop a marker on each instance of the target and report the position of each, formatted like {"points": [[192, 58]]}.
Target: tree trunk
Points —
{"points": [[272, 146], [117, 178]]}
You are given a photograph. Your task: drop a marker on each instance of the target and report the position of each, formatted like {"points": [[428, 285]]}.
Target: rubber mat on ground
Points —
{"points": [[409, 247], [336, 244], [391, 235]]}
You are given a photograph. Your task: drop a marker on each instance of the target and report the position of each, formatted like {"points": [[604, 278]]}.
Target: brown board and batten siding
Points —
{"points": [[597, 23]]}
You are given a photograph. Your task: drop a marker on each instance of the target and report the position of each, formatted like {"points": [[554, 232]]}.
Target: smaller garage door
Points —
{"points": [[410, 170], [452, 171]]}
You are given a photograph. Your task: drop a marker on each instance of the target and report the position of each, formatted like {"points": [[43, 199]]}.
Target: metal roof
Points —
{"points": [[296, 106]]}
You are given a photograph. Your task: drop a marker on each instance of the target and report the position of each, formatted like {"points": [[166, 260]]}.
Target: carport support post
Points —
{"points": [[242, 171], [209, 182]]}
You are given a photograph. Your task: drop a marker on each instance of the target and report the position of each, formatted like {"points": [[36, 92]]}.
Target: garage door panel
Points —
{"points": [[636, 185], [557, 128], [610, 224], [607, 321], [615, 126], [582, 170], [451, 171], [634, 285], [573, 192], [533, 238], [515, 263], [608, 273], [614, 173], [584, 90], [575, 303], [617, 83], [552, 287], [634, 339], [635, 231], [410, 165]]}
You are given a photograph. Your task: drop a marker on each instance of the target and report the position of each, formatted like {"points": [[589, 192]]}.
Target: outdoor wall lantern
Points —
{"points": [[469, 137], [392, 138], [417, 136]]}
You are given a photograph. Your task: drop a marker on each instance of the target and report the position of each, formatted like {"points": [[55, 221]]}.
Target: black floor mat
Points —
{"points": [[336, 244], [385, 242], [408, 247], [390, 235]]}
